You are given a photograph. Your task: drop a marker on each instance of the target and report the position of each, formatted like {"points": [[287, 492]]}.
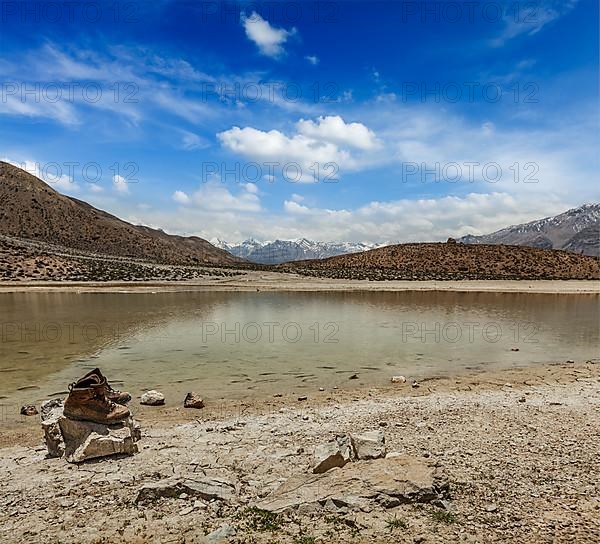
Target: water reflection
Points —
{"points": [[238, 344]]}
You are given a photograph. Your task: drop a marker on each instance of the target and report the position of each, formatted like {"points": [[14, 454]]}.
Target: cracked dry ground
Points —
{"points": [[520, 449]]}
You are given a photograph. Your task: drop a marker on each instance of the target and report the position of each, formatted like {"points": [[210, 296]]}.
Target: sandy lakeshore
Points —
{"points": [[518, 448], [278, 281]]}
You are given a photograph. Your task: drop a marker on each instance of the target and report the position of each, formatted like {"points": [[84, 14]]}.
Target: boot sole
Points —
{"points": [[99, 422]]}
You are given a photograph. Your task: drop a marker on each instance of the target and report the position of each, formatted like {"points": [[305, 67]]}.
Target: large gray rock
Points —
{"points": [[388, 482], [335, 453], [85, 440], [50, 412], [370, 445], [152, 398], [206, 488]]}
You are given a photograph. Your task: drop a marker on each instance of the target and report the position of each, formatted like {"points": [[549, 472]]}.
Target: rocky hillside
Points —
{"points": [[576, 230], [586, 241], [32, 210], [281, 251], [452, 261]]}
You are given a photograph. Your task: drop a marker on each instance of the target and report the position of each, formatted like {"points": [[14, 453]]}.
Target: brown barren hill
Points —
{"points": [[31, 210], [452, 261]]}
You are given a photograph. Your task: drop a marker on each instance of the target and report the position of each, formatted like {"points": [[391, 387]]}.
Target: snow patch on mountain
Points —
{"points": [[576, 230], [281, 251]]}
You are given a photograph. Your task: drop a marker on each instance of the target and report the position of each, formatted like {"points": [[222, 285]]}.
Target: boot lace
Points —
{"points": [[104, 402]]}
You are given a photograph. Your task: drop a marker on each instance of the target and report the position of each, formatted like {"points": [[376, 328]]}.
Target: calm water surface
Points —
{"points": [[235, 345]]}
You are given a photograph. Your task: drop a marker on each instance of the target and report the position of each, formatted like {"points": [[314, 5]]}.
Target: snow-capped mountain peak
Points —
{"points": [[280, 251], [576, 230]]}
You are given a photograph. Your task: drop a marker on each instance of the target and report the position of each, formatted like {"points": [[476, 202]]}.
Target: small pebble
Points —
{"points": [[29, 410]]}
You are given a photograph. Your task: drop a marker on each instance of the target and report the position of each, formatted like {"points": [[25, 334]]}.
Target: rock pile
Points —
{"points": [[78, 441], [93, 422]]}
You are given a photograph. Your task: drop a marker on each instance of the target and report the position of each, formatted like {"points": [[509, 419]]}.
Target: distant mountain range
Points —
{"points": [[281, 251], [576, 230]]}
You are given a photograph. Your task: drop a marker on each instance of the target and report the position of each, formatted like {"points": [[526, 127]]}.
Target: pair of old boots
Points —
{"points": [[92, 399]]}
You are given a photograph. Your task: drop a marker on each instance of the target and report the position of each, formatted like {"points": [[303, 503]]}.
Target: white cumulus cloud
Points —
{"points": [[320, 148], [120, 184], [333, 128], [214, 196], [268, 39], [181, 197]]}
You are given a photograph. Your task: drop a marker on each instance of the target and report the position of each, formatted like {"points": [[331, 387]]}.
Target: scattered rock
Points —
{"points": [[302, 398], [353, 377], [193, 400], [152, 398], [225, 531], [491, 508], [51, 412], [206, 488], [522, 399], [85, 440], [336, 453], [186, 511], [414, 385], [29, 410], [570, 361], [370, 445], [514, 349], [357, 485], [398, 379]]}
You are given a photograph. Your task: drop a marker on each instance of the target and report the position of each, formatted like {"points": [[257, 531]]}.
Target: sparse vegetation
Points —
{"points": [[396, 523], [260, 520], [443, 516], [305, 539]]}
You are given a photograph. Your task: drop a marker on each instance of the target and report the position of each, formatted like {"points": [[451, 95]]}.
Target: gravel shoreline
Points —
{"points": [[518, 447], [279, 281]]}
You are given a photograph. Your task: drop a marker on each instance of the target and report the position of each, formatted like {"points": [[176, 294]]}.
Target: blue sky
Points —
{"points": [[362, 121]]}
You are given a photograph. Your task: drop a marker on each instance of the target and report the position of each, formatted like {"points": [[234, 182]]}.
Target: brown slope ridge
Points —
{"points": [[31, 210], [452, 261]]}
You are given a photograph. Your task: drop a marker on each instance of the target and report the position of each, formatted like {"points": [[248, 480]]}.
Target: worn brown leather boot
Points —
{"points": [[88, 401], [95, 377], [91, 404]]}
